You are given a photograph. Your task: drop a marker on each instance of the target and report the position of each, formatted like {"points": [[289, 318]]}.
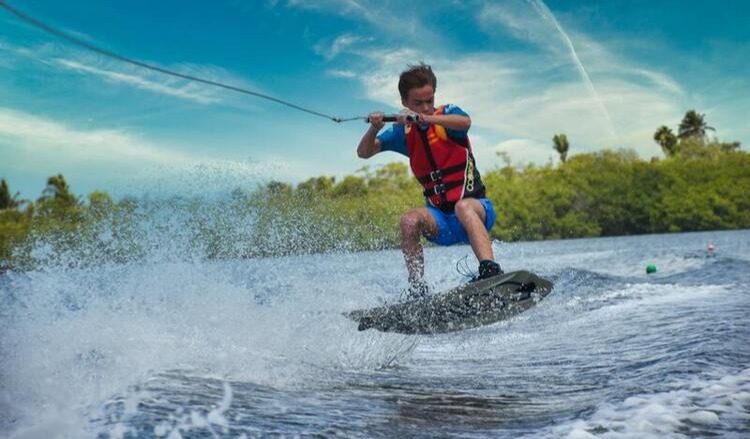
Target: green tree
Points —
{"points": [[279, 188], [667, 140], [728, 146], [58, 189], [351, 185], [560, 142], [6, 200], [392, 178], [704, 186], [693, 126], [100, 203], [317, 185]]}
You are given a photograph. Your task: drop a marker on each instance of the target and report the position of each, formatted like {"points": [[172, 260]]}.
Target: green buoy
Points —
{"points": [[650, 268]]}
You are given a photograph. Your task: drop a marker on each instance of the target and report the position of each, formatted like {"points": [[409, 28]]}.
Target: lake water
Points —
{"points": [[259, 348]]}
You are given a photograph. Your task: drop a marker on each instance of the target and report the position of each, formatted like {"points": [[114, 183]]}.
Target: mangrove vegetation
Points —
{"points": [[701, 184]]}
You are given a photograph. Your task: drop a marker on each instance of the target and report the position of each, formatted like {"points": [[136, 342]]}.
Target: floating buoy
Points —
{"points": [[711, 248], [650, 268]]}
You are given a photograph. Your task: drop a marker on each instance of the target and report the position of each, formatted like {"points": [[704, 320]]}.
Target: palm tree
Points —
{"points": [[6, 200], [693, 126], [667, 140], [561, 145], [58, 189]]}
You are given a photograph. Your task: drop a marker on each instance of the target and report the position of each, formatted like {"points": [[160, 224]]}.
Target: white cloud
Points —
{"points": [[349, 74], [346, 8], [567, 108], [661, 80], [490, 153], [529, 96], [187, 91], [518, 19], [389, 18], [340, 44], [35, 145], [525, 151], [56, 142], [381, 78], [57, 56], [533, 94]]}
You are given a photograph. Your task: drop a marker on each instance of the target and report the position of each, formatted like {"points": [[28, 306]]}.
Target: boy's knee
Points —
{"points": [[464, 209], [410, 223]]}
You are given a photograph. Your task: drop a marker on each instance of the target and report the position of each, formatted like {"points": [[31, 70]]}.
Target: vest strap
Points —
{"points": [[439, 174], [442, 188], [433, 164]]}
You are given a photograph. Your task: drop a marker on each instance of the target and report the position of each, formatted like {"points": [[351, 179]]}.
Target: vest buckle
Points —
{"points": [[438, 189], [436, 175]]}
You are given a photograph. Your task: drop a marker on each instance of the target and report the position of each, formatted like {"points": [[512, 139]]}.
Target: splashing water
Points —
{"points": [[547, 15], [169, 344], [103, 313]]}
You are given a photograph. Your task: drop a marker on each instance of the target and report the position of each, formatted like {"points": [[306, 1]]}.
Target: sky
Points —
{"points": [[605, 73]]}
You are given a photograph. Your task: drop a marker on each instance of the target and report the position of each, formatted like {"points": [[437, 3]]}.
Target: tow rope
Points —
{"points": [[108, 53]]}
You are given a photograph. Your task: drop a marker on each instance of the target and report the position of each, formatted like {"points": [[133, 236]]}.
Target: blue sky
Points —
{"points": [[112, 126]]}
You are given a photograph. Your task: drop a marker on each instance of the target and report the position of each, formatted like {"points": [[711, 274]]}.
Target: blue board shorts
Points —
{"points": [[450, 230]]}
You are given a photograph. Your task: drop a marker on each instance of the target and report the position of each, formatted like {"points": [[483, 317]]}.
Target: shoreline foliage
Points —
{"points": [[700, 185]]}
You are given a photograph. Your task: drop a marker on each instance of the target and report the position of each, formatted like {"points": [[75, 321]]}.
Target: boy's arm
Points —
{"points": [[370, 145], [454, 122]]}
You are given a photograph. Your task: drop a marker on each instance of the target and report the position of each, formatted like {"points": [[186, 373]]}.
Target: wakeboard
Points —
{"points": [[466, 306]]}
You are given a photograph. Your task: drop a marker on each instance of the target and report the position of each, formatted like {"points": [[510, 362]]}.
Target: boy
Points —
{"points": [[437, 144]]}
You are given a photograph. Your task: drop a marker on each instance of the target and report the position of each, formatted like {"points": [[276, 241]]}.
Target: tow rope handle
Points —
{"points": [[391, 118]]}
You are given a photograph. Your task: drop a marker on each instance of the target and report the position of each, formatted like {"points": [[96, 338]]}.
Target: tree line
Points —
{"points": [[701, 184]]}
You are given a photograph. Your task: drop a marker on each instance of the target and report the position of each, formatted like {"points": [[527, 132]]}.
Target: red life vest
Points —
{"points": [[445, 167]]}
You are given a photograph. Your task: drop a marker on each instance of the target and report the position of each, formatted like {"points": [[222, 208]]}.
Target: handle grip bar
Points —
{"points": [[392, 118]]}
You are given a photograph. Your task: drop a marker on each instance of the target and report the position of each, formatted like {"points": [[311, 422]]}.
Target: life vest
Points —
{"points": [[445, 167]]}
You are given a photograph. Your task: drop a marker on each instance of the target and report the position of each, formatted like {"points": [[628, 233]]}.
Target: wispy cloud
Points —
{"points": [[33, 144], [525, 97], [525, 150], [342, 73], [522, 102], [187, 91], [53, 141], [517, 19], [660, 80], [341, 43], [352, 8], [389, 18], [60, 56]]}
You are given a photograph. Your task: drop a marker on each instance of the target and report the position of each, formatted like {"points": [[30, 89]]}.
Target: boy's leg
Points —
{"points": [[414, 224], [472, 216]]}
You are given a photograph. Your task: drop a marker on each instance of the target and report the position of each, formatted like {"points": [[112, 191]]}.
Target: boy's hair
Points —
{"points": [[416, 77]]}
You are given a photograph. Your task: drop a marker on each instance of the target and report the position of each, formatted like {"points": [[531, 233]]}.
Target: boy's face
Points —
{"points": [[421, 100]]}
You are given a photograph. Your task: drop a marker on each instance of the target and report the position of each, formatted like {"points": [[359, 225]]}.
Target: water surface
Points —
{"points": [[259, 348]]}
